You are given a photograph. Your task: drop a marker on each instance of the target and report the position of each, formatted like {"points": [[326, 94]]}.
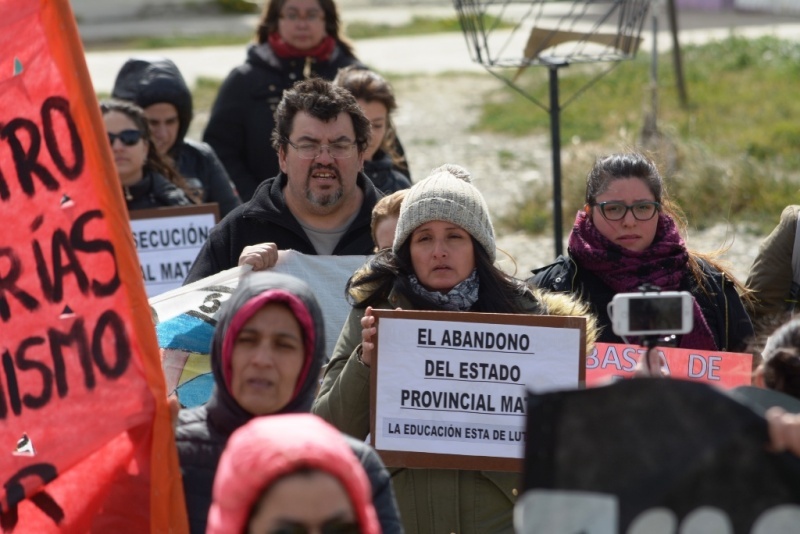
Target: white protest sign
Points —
{"points": [[167, 242], [455, 383], [186, 316]]}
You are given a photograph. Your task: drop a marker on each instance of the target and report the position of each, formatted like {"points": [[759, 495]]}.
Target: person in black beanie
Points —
{"points": [[157, 86]]}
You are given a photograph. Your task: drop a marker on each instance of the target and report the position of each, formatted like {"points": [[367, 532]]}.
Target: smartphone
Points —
{"points": [[652, 313]]}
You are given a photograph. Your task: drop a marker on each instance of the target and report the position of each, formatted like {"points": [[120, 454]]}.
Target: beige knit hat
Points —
{"points": [[446, 195]]}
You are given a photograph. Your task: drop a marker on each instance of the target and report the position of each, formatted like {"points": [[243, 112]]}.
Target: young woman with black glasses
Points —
{"points": [[629, 234]]}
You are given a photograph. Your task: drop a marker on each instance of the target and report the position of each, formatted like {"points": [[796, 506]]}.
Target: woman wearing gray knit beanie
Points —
{"points": [[442, 258]]}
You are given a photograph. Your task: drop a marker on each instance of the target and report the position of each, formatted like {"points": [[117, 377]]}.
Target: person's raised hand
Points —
{"points": [[784, 430], [652, 364], [368, 331], [261, 256]]}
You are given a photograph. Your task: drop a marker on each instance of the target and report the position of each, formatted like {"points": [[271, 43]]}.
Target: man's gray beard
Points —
{"points": [[326, 200]]}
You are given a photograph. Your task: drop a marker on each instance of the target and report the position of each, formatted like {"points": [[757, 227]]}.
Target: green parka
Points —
{"points": [[771, 275]]}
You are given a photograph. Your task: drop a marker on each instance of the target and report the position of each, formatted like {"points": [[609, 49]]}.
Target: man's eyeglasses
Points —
{"points": [[128, 137], [313, 150], [616, 211], [311, 16]]}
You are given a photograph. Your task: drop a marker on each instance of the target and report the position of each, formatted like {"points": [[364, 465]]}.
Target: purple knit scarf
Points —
{"points": [[664, 263]]}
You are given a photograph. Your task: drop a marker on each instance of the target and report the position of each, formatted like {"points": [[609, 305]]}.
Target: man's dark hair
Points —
{"points": [[323, 101]]}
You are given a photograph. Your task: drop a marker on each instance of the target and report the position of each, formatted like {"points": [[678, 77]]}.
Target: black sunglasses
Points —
{"points": [[128, 137]]}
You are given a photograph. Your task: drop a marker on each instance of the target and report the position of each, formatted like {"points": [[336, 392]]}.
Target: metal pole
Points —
{"points": [[654, 66], [555, 140], [650, 126], [676, 54]]}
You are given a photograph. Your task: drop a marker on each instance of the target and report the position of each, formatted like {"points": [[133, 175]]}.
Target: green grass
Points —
{"points": [[204, 92], [170, 41], [239, 6], [731, 156], [417, 26]]}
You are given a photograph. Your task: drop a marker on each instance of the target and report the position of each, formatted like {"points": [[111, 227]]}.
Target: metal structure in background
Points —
{"points": [[552, 34]]}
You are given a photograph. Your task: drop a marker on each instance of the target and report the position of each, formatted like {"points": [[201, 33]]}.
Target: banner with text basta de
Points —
{"points": [[85, 437]]}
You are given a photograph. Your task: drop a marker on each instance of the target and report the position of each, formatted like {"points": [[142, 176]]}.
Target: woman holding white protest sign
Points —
{"points": [[442, 259], [629, 234]]}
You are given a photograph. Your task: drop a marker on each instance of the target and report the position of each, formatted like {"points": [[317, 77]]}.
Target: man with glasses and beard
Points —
{"points": [[320, 203]]}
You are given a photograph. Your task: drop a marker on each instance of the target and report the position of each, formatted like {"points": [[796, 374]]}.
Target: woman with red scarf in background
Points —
{"points": [[295, 40], [629, 234]]}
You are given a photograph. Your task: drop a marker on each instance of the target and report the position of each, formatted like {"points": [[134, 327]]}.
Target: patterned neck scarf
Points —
{"points": [[461, 298], [664, 263]]}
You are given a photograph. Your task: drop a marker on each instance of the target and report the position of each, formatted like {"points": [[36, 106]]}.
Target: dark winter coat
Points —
{"points": [[720, 303], [148, 81], [384, 175], [202, 432], [242, 119], [266, 218], [153, 191]]}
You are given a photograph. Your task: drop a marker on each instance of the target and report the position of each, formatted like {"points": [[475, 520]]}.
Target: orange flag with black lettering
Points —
{"points": [[86, 442]]}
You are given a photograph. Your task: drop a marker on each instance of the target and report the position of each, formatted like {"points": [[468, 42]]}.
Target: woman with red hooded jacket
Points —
{"points": [[290, 473]]}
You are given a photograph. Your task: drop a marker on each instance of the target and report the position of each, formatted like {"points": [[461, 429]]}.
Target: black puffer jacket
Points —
{"points": [[266, 218], [150, 80], [202, 432], [153, 191], [242, 119], [384, 175], [720, 303]]}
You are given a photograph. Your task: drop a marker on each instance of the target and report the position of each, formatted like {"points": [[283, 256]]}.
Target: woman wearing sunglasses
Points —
{"points": [[629, 234], [147, 181]]}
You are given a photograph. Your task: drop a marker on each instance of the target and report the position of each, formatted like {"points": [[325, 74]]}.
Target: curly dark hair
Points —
{"points": [[782, 359], [324, 101]]}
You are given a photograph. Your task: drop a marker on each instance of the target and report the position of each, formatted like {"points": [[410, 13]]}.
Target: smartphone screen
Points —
{"points": [[663, 314]]}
